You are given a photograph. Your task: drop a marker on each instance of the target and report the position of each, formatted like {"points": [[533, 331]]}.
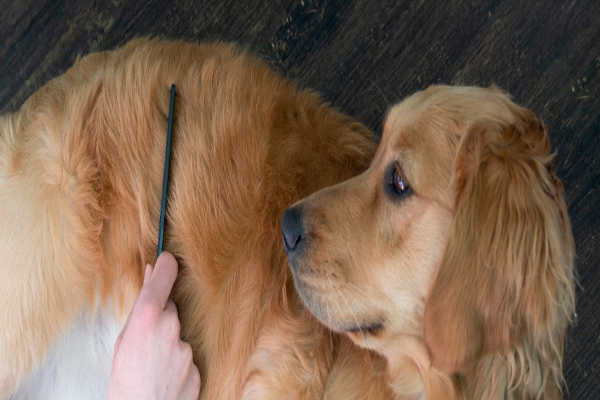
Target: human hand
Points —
{"points": [[150, 361]]}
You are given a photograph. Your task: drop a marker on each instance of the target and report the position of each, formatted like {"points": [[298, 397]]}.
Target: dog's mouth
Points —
{"points": [[317, 293], [371, 329], [320, 307]]}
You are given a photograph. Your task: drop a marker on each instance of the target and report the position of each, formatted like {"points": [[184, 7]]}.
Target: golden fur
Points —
{"points": [[464, 282], [80, 181]]}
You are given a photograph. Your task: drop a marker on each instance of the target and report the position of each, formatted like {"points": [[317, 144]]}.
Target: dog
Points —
{"points": [[81, 168], [451, 256]]}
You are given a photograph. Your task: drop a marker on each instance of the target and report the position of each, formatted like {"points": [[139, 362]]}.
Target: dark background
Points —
{"points": [[364, 55]]}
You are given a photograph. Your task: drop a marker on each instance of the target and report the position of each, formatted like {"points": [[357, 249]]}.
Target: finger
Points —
{"points": [[170, 331], [117, 344], [171, 327], [192, 385], [148, 272], [171, 308], [161, 281]]}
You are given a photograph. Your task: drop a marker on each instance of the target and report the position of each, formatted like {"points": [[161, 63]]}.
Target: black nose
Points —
{"points": [[292, 230]]}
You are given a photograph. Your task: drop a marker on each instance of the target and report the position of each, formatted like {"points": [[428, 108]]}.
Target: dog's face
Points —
{"points": [[369, 246], [438, 242]]}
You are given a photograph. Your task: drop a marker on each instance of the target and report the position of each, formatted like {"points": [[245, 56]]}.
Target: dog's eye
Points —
{"points": [[398, 181]]}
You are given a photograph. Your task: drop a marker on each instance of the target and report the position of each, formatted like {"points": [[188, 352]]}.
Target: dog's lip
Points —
{"points": [[367, 328]]}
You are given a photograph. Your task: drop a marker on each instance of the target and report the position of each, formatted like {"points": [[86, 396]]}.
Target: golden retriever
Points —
{"points": [[81, 167], [451, 256]]}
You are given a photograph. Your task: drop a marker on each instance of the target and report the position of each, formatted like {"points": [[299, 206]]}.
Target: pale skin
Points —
{"points": [[150, 361]]}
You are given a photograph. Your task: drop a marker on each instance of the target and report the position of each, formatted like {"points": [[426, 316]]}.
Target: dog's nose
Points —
{"points": [[292, 230]]}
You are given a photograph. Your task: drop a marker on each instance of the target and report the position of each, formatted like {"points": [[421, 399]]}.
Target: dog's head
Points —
{"points": [[454, 244]]}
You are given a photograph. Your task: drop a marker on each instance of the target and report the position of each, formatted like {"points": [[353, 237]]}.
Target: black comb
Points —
{"points": [[163, 204]]}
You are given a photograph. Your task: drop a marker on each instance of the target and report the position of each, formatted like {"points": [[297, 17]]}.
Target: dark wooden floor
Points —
{"points": [[363, 55]]}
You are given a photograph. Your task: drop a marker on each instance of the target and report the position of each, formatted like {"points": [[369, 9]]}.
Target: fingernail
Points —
{"points": [[147, 272]]}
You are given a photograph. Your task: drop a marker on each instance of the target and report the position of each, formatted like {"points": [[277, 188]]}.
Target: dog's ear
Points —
{"points": [[507, 270]]}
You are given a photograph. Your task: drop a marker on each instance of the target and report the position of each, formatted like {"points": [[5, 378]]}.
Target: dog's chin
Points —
{"points": [[329, 314]]}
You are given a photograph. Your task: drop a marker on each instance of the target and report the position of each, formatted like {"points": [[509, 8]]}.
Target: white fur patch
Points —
{"points": [[78, 365]]}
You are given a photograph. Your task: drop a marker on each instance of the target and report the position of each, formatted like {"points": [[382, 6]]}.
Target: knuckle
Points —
{"points": [[186, 359], [172, 328], [175, 326], [196, 381], [188, 356], [172, 307]]}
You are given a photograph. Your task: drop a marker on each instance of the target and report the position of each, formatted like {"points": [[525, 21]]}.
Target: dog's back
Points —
{"points": [[80, 175]]}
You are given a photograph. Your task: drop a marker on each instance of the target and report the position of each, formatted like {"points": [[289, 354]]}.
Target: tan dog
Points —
{"points": [[451, 255], [80, 181]]}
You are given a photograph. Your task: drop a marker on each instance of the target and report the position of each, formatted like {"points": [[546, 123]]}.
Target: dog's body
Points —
{"points": [[80, 176], [451, 255]]}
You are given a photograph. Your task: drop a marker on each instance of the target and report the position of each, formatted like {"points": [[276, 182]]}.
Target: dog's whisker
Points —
{"points": [[348, 306], [353, 316], [357, 324], [329, 329], [338, 306], [364, 294], [336, 303], [355, 319]]}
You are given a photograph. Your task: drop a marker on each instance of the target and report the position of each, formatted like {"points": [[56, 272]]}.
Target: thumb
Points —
{"points": [[159, 281]]}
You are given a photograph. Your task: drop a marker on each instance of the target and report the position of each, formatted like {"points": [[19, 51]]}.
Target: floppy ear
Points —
{"points": [[507, 271]]}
